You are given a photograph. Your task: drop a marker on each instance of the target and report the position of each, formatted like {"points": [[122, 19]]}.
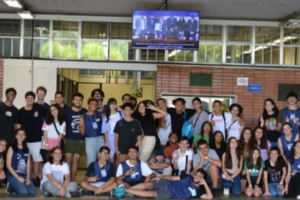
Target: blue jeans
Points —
{"points": [[92, 146], [235, 184], [21, 188], [274, 191]]}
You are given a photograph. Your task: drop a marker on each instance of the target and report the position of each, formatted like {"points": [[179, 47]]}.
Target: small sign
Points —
{"points": [[254, 88], [242, 81]]}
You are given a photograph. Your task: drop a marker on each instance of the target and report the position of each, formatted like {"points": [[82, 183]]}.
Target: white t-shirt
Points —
{"points": [[51, 132], [182, 158], [219, 122], [146, 170], [163, 133], [58, 172], [234, 130], [113, 119]]}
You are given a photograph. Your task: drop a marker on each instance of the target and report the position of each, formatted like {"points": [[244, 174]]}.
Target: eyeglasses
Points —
{"points": [[203, 148]]}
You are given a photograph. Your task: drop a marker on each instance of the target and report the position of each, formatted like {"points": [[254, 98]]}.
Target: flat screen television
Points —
{"points": [[165, 29]]}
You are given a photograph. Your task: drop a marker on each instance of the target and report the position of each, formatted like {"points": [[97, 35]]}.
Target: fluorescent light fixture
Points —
{"points": [[13, 3], [291, 23], [173, 53], [24, 14]]}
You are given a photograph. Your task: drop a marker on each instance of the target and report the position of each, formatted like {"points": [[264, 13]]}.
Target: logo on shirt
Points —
{"points": [[75, 125], [8, 114], [36, 114]]}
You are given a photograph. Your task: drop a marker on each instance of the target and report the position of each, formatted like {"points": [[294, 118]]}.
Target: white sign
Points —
{"points": [[242, 81]]}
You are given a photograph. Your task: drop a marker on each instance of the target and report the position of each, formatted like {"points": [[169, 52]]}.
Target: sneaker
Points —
{"points": [[226, 191], [215, 192], [75, 194], [36, 182], [3, 184], [298, 197], [9, 189], [85, 192], [47, 194]]}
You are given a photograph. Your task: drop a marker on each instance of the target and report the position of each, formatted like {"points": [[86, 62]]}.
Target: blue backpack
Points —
{"points": [[188, 126], [119, 191]]}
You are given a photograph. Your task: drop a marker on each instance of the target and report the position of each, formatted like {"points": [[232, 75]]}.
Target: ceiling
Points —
{"points": [[261, 10]]}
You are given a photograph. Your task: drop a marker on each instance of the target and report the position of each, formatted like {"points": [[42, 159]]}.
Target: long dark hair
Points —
{"points": [[242, 140], [210, 132], [212, 141], [50, 157], [60, 115], [228, 159], [250, 159], [108, 111], [293, 152], [279, 164], [148, 118], [24, 143], [275, 109], [263, 140]]}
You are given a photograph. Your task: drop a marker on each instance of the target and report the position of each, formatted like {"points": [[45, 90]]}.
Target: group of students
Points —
{"points": [[139, 148]]}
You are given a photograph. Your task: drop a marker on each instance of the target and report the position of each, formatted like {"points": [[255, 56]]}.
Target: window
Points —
{"points": [[121, 30], [267, 35], [210, 33], [181, 55], [10, 27], [210, 53], [63, 29], [152, 54], [291, 46], [9, 47], [94, 49], [94, 30], [64, 49], [238, 54], [40, 48], [266, 54], [121, 50], [239, 33], [38, 27]]}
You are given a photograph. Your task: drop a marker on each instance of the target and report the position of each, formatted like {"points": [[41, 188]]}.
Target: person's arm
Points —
{"points": [[106, 139], [189, 167], [154, 165], [248, 178], [162, 122], [259, 178], [139, 142], [240, 168], [215, 161], [127, 173], [117, 144], [208, 194], [281, 150], [46, 140], [158, 112], [110, 181], [82, 125], [175, 160], [150, 177], [282, 178], [58, 140], [267, 192], [223, 165], [28, 170], [171, 178], [200, 165]]}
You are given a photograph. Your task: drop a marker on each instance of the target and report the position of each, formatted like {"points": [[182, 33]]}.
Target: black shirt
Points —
{"points": [[31, 121], [7, 120], [274, 176], [128, 132], [179, 119], [271, 121]]}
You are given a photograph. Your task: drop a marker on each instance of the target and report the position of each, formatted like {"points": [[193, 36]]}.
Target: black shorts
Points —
{"points": [[253, 181], [162, 189]]}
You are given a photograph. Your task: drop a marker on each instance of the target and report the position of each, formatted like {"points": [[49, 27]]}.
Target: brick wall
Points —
{"points": [[1, 78], [175, 79]]}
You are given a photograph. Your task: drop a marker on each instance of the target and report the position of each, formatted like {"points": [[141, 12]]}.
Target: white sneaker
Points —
{"points": [[298, 197], [226, 191]]}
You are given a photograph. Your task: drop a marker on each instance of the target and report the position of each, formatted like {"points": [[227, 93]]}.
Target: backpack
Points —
{"points": [[188, 126]]}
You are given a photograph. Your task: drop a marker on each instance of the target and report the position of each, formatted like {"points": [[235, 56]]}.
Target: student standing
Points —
{"points": [[165, 124], [90, 128], [75, 142], [236, 124], [18, 166]]}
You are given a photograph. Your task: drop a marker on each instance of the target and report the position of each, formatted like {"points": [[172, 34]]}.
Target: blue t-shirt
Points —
{"points": [[73, 123], [296, 166], [19, 162], [93, 124]]}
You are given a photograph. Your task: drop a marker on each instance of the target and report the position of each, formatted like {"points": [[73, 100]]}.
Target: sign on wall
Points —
{"points": [[242, 81], [254, 88]]}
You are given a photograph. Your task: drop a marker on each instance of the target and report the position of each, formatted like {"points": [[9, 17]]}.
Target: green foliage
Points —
{"points": [[93, 50]]}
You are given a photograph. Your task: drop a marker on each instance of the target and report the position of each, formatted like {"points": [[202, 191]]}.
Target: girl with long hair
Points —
{"points": [[232, 165], [171, 145], [164, 125], [286, 141], [205, 133], [18, 166], [56, 176], [259, 140], [146, 114], [254, 167], [217, 142], [245, 148], [274, 174], [236, 124], [112, 116], [268, 120]]}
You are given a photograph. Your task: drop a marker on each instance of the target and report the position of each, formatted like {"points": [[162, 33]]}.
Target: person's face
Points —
{"points": [[292, 100], [206, 128], [142, 108], [29, 100], [297, 148], [159, 158], [10, 96], [247, 134], [113, 106], [104, 155], [218, 137], [256, 154], [98, 96], [57, 155], [162, 105], [184, 145], [40, 95], [197, 177], [173, 139], [234, 111], [258, 133], [179, 106], [20, 136], [269, 106], [126, 99], [287, 130], [132, 154], [203, 149], [54, 111], [133, 102], [233, 144], [274, 155], [59, 99], [77, 102], [93, 106], [127, 111], [3, 145], [196, 105], [217, 107]]}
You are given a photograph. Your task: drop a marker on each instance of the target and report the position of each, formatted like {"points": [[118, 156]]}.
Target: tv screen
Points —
{"points": [[164, 29]]}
